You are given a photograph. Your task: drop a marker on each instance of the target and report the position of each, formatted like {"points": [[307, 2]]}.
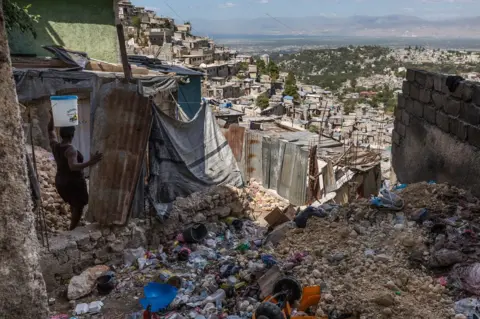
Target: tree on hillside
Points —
{"points": [[262, 102], [291, 88], [137, 23], [349, 106], [291, 91], [243, 66], [21, 281], [273, 71], [17, 17], [290, 80], [353, 83], [261, 67]]}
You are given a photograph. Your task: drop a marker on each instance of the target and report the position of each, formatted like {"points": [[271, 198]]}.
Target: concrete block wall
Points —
{"points": [[437, 132]]}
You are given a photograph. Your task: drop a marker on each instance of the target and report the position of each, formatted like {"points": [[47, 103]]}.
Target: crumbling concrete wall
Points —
{"points": [[73, 251], [437, 132]]}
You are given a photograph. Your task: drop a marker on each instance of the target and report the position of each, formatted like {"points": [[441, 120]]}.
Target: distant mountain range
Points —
{"points": [[379, 26]]}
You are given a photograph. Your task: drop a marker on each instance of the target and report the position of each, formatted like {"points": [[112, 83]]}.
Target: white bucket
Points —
{"points": [[65, 110]]}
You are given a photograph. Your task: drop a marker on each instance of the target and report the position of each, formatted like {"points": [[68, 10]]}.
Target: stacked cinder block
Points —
{"points": [[427, 97]]}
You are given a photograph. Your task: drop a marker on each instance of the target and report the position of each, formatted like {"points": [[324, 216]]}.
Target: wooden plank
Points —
{"points": [[37, 63], [121, 129], [123, 53], [116, 68]]}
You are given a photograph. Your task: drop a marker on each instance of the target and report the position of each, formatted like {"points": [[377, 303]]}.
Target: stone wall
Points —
{"points": [[72, 252], [437, 132]]}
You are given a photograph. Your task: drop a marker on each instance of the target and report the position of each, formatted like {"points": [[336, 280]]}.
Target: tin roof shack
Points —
{"points": [[230, 116], [358, 174], [123, 158], [276, 109], [82, 25]]}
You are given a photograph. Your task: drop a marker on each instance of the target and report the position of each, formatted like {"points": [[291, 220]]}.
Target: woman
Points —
{"points": [[69, 181]]}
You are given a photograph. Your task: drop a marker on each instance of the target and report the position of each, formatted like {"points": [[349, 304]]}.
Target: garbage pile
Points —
{"points": [[210, 271], [57, 212], [409, 253]]}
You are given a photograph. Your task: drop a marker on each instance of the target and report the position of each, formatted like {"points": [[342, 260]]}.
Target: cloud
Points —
{"points": [[264, 1], [227, 5]]}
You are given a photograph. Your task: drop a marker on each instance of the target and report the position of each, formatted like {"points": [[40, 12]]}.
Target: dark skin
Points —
{"points": [[73, 164]]}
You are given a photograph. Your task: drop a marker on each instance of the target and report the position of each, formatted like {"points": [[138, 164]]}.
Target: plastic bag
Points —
{"points": [[131, 255], [468, 276], [388, 200], [469, 307]]}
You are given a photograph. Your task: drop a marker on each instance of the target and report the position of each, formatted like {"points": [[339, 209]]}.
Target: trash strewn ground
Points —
{"points": [[370, 262]]}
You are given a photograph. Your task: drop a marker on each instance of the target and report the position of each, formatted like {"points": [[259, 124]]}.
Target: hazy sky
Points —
{"points": [[225, 9]]}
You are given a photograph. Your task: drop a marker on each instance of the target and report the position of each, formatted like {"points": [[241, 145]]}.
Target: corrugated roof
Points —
{"points": [[158, 65]]}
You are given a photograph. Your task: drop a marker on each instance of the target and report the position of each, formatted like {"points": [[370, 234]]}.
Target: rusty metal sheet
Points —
{"points": [[121, 128], [235, 136], [253, 156], [314, 192]]}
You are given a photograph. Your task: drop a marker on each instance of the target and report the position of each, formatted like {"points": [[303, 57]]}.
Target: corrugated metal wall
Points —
{"points": [[277, 164], [122, 125], [253, 156]]}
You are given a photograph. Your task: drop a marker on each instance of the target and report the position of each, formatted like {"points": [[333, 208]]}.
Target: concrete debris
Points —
{"points": [[264, 200], [84, 283]]}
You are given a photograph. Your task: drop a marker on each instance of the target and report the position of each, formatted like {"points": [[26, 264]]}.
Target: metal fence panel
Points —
{"points": [[276, 155], [288, 164], [266, 160], [298, 186]]}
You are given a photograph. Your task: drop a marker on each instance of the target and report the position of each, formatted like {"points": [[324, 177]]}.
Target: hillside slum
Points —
{"points": [[417, 258]]}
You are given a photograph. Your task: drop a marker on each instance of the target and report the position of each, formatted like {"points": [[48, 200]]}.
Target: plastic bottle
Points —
{"points": [[243, 247], [218, 295], [399, 222], [209, 308], [212, 243], [190, 288]]}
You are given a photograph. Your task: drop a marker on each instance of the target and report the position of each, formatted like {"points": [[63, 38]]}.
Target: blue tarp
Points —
{"points": [[226, 105], [190, 96]]}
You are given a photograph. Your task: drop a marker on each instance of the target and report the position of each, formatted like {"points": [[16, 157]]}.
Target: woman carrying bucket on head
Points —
{"points": [[69, 180]]}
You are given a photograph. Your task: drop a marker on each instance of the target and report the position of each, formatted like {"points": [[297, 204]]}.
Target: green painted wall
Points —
{"points": [[83, 25]]}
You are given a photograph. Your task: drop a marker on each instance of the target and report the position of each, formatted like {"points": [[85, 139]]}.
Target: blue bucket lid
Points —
{"points": [[63, 97]]}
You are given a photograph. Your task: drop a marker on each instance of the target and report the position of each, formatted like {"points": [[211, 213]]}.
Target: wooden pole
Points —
{"points": [[127, 71]]}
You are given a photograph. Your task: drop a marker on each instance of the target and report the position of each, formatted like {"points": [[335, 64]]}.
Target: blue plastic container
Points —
{"points": [[158, 296]]}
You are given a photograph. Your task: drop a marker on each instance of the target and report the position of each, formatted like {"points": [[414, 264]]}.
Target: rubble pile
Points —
{"points": [[370, 261], [57, 212], [366, 270], [378, 263], [264, 200]]}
